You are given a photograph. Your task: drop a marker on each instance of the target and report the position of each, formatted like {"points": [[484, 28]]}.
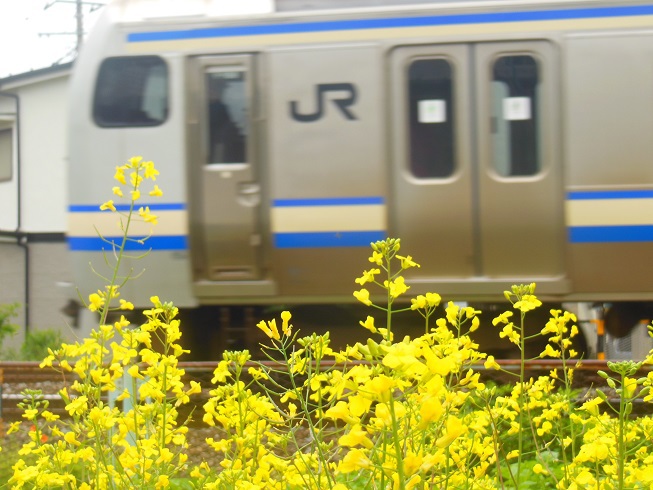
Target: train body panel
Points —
{"points": [[502, 142]]}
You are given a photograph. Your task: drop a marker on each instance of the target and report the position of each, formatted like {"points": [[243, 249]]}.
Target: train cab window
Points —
{"points": [[131, 91], [6, 154], [514, 94], [431, 118], [228, 115]]}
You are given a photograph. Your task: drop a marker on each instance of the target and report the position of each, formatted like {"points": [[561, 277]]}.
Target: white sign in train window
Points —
{"points": [[517, 108], [432, 111]]}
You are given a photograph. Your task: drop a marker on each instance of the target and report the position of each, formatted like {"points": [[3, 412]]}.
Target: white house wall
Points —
{"points": [[33, 253], [43, 155]]}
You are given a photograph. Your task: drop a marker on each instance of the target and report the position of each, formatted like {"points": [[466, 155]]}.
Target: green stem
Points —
{"points": [[621, 443], [315, 434], [522, 396], [397, 445]]}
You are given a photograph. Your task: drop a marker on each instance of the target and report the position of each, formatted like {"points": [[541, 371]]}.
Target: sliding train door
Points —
{"points": [[225, 191], [477, 183]]}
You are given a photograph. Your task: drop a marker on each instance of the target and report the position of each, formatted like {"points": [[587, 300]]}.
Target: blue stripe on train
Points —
{"points": [[616, 194], [95, 208], [328, 201], [327, 239], [611, 234], [360, 24], [97, 244]]}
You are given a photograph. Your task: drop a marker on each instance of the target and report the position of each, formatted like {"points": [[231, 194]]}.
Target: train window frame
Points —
{"points": [[496, 106], [6, 154], [218, 123], [108, 114], [413, 122]]}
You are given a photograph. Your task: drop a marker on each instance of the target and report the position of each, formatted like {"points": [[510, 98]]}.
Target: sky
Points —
{"points": [[30, 33]]}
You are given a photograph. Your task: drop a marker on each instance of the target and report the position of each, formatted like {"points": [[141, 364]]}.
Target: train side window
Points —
{"points": [[131, 91], [6, 154], [431, 118], [514, 94], [228, 115]]}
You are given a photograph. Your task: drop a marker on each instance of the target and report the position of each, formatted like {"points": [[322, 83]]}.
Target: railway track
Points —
{"points": [[18, 376]]}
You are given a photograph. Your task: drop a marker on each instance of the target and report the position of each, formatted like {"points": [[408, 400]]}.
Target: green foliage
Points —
{"points": [[36, 345], [7, 328]]}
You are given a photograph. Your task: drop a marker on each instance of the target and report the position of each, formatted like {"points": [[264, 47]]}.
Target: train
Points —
{"points": [[503, 141]]}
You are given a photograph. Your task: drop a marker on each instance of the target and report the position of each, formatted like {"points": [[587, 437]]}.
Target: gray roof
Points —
{"points": [[32, 75]]}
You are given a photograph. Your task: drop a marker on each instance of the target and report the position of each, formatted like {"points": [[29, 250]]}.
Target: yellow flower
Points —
{"points": [[134, 162], [550, 352], [512, 454], [96, 301], [539, 469], [490, 363], [430, 411], [381, 386], [136, 194], [363, 296], [30, 413], [629, 387], [150, 171], [475, 324], [502, 318], [71, 438], [108, 205], [396, 287], [135, 180], [269, 329], [77, 406], [126, 305], [368, 276], [286, 328], [452, 310], [156, 191], [528, 302], [510, 334], [369, 324], [376, 258], [354, 460], [592, 406], [147, 216], [407, 262], [120, 175], [117, 191], [356, 437], [455, 428]]}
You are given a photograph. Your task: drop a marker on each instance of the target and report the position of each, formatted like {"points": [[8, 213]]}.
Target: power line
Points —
{"points": [[79, 18]]}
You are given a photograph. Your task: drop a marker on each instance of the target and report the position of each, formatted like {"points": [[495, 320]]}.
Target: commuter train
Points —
{"points": [[504, 142]]}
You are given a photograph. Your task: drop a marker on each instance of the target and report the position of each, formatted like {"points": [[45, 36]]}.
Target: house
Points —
{"points": [[33, 261]]}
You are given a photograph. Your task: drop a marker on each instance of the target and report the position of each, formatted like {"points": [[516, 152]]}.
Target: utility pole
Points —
{"points": [[79, 16], [79, 20]]}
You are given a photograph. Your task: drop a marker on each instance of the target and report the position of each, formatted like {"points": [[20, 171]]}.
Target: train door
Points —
{"points": [[477, 177], [225, 189]]}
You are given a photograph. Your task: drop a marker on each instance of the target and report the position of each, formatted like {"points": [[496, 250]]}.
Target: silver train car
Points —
{"points": [[504, 142]]}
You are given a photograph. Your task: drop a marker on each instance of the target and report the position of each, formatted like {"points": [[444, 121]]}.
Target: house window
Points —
{"points": [[6, 154]]}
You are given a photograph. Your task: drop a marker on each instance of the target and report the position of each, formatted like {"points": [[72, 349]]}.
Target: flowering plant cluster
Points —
{"points": [[414, 413], [411, 413]]}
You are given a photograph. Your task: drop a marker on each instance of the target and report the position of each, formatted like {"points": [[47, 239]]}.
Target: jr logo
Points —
{"points": [[343, 103]]}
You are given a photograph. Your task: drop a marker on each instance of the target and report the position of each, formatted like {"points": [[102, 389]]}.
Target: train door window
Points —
{"points": [[431, 113], [6, 154], [514, 94], [131, 91], [228, 115]]}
